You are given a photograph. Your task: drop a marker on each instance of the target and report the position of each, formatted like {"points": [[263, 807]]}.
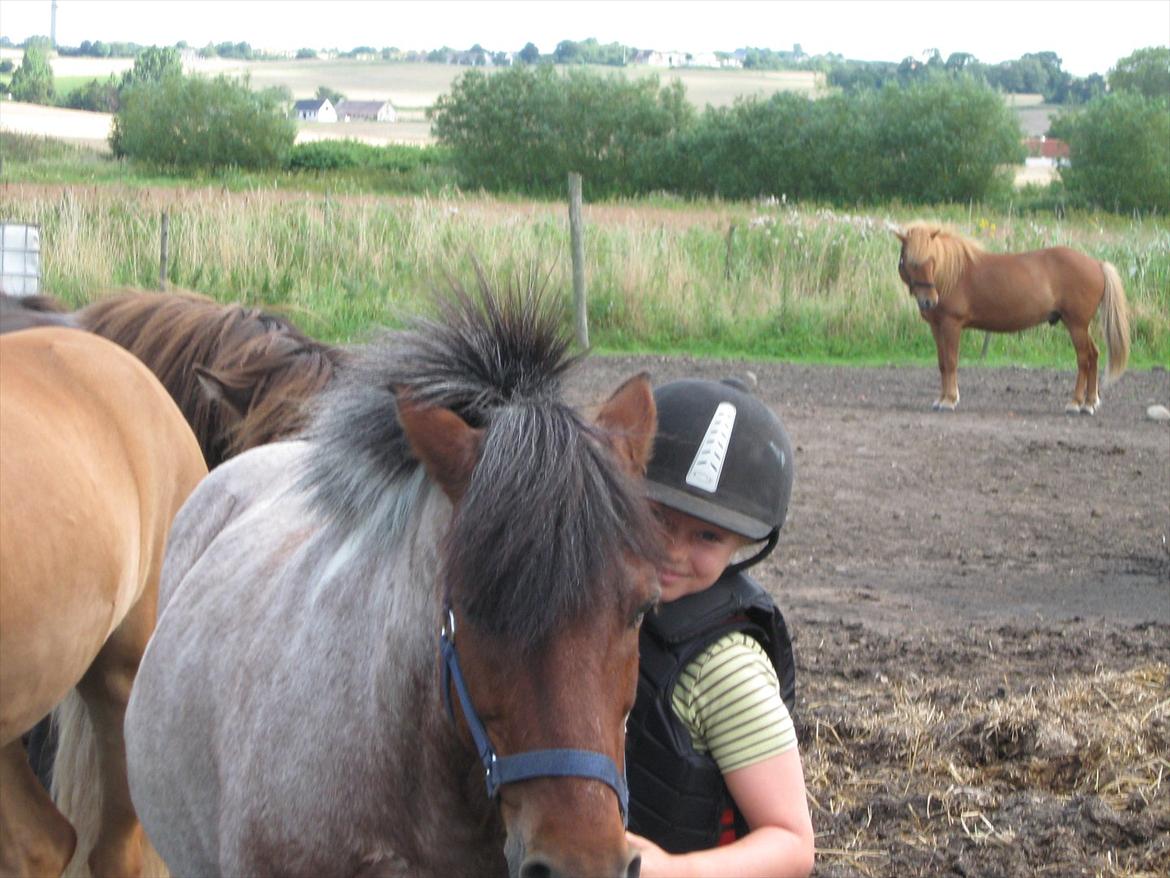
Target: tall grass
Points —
{"points": [[753, 280]]}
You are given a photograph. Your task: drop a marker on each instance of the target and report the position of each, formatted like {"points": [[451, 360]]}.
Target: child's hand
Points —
{"points": [[655, 861]]}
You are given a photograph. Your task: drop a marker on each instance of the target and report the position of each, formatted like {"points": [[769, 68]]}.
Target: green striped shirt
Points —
{"points": [[729, 699]]}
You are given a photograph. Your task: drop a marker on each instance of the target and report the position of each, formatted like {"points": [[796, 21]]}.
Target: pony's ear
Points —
{"points": [[217, 387], [934, 234], [445, 444], [631, 420], [901, 236]]}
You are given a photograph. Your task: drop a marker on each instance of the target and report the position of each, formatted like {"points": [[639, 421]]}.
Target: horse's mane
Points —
{"points": [[952, 252], [268, 367], [548, 514]]}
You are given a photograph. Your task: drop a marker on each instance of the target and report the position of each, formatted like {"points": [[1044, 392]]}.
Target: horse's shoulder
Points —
{"points": [[221, 499]]}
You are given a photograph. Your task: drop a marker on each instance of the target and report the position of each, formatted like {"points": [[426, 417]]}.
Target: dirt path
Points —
{"points": [[1007, 510], [980, 604]]}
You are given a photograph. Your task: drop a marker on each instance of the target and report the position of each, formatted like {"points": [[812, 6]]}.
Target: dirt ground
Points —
{"points": [[980, 606]]}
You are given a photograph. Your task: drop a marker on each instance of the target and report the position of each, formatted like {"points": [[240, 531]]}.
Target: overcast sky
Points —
{"points": [[1088, 35]]}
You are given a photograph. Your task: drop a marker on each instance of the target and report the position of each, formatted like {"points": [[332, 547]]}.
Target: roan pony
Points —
{"points": [[97, 459], [958, 284], [441, 584]]}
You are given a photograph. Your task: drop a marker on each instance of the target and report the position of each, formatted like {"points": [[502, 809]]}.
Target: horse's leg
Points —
{"points": [[105, 689], [946, 339], [1085, 396], [35, 839]]}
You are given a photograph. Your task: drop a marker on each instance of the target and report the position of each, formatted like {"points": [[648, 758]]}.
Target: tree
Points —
{"points": [[153, 64], [567, 52], [189, 122], [1146, 71], [529, 54], [1119, 152], [325, 93], [32, 81], [97, 96]]}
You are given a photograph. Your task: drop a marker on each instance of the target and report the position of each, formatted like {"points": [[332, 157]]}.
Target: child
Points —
{"points": [[716, 785]]}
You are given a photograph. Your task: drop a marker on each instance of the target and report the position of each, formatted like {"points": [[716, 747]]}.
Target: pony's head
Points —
{"points": [[262, 388], [546, 566], [549, 590], [932, 259]]}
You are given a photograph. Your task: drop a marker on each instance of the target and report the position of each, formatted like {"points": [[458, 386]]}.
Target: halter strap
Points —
{"points": [[500, 770]]}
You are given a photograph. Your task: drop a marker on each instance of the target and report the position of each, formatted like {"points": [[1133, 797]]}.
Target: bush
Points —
{"points": [[1119, 153], [526, 128], [190, 122], [944, 139], [330, 155]]}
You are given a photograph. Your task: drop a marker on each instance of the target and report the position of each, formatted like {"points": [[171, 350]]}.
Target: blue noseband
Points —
{"points": [[500, 770]]}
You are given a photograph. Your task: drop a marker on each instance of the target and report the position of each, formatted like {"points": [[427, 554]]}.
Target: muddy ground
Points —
{"points": [[980, 604]]}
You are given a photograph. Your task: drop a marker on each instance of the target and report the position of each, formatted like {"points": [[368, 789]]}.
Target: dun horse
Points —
{"points": [[96, 461], [958, 284], [441, 583], [241, 377]]}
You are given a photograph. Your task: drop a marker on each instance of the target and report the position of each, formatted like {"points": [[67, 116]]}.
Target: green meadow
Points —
{"points": [[754, 280]]}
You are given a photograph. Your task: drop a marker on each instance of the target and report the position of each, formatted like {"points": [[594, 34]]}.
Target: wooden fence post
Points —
{"points": [[164, 242], [577, 244], [730, 250]]}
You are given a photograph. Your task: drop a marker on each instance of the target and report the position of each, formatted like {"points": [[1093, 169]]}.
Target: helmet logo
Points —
{"points": [[707, 466]]}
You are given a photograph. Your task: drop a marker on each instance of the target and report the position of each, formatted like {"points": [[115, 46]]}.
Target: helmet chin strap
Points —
{"points": [[759, 556]]}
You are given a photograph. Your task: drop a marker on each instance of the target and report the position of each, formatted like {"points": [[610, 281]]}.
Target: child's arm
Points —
{"points": [[770, 795]]}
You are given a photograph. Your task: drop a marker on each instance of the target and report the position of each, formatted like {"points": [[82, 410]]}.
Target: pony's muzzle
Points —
{"points": [[925, 304], [538, 867]]}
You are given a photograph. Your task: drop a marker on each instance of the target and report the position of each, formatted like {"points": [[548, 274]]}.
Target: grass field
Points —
{"points": [[722, 279]]}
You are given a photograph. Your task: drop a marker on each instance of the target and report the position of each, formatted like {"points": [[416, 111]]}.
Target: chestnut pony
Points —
{"points": [[958, 284], [241, 376], [408, 640], [96, 461]]}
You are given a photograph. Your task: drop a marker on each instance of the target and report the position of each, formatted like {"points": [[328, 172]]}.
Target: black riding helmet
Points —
{"points": [[722, 456]]}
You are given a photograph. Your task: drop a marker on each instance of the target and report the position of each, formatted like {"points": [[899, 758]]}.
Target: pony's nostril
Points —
{"points": [[634, 869], [536, 868]]}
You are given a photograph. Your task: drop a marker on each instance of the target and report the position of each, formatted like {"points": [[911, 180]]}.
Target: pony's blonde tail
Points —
{"points": [[1115, 322], [77, 787]]}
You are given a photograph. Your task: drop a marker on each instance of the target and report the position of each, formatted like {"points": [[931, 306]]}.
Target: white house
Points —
{"points": [[366, 111], [315, 111]]}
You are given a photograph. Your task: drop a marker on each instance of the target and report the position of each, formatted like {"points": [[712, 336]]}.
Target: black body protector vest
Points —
{"points": [[677, 796]]}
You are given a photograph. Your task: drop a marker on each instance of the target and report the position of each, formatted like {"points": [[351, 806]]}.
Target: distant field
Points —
{"points": [[418, 86], [412, 88]]}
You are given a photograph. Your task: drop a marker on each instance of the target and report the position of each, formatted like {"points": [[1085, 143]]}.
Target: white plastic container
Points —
{"points": [[20, 259]]}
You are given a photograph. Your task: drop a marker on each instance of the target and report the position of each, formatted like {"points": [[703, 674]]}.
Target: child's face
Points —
{"points": [[697, 553]]}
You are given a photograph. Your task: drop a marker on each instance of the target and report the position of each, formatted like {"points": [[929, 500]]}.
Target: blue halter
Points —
{"points": [[500, 770]]}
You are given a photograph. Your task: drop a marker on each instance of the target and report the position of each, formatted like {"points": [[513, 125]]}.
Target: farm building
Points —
{"points": [[366, 111], [315, 111], [1046, 147]]}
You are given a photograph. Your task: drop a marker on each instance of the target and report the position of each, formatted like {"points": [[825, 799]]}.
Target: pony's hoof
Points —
{"points": [[943, 405], [1073, 408], [1090, 408]]}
